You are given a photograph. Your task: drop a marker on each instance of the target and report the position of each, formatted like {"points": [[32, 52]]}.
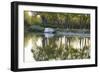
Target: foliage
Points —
{"points": [[58, 20]]}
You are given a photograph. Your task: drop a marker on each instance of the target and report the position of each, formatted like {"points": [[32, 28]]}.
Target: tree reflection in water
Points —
{"points": [[59, 47]]}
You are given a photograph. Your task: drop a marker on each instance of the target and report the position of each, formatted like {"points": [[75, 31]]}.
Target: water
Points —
{"points": [[56, 46]]}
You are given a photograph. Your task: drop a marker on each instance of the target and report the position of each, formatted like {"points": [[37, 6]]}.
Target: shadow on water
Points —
{"points": [[53, 46]]}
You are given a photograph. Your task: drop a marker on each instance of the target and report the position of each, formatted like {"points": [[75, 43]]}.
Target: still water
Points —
{"points": [[51, 46]]}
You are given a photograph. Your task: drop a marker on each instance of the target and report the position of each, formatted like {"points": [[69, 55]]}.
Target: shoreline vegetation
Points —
{"points": [[41, 29], [81, 32], [59, 22]]}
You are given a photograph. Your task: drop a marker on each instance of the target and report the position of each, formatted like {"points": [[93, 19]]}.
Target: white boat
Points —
{"points": [[49, 30]]}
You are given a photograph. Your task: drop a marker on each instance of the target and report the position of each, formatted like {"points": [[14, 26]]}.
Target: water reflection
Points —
{"points": [[47, 46]]}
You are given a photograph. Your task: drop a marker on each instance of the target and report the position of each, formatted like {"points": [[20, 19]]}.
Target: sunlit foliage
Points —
{"points": [[57, 20]]}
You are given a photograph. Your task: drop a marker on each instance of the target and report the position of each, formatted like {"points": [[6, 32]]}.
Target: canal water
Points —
{"points": [[53, 46]]}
